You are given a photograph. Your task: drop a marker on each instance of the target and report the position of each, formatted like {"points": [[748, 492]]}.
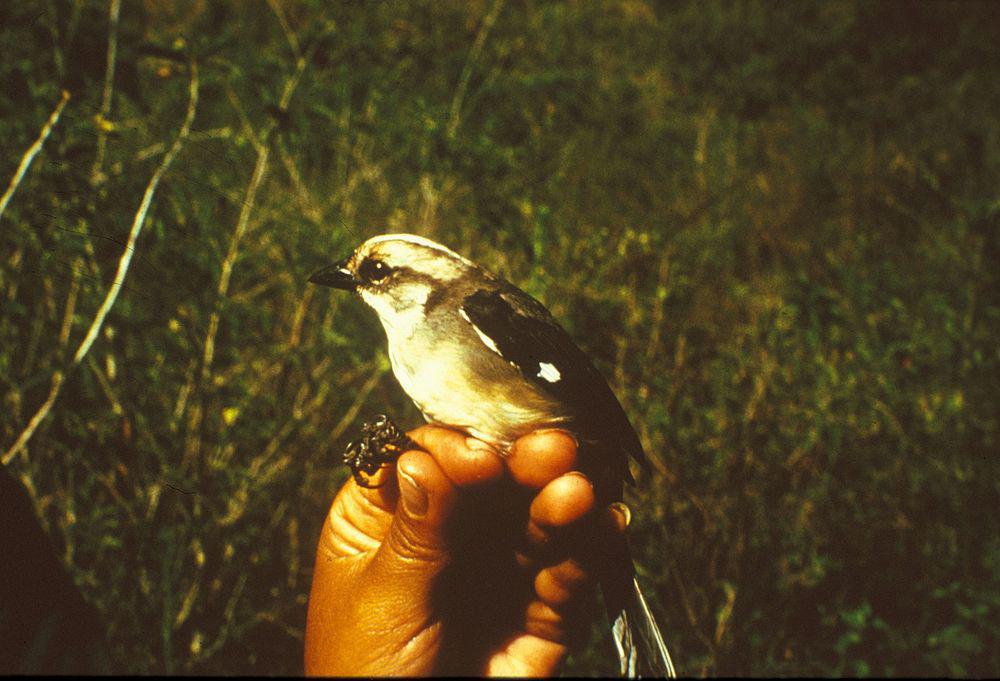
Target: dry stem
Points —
{"points": [[114, 10], [32, 152], [58, 377], [470, 62]]}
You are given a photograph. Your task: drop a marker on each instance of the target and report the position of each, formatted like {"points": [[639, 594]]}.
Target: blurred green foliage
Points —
{"points": [[775, 226]]}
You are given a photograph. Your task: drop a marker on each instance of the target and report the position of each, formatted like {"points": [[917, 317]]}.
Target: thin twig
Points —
{"points": [[298, 415], [258, 473], [52, 23], [43, 309], [306, 201], [32, 151], [182, 395], [227, 627], [102, 380], [301, 61], [290, 36], [295, 337], [244, 119], [261, 143], [659, 305], [123, 265], [15, 262], [686, 603], [140, 219], [470, 62], [67, 322], [208, 352], [359, 401], [57, 381], [114, 10]]}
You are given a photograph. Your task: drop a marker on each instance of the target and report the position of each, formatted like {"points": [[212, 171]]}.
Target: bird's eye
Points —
{"points": [[374, 270]]}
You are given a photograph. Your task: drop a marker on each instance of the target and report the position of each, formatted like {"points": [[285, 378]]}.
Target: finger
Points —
{"points": [[378, 489], [359, 517], [564, 504], [415, 548], [465, 460], [565, 588], [527, 655], [539, 457], [557, 613], [553, 624], [564, 524], [559, 585]]}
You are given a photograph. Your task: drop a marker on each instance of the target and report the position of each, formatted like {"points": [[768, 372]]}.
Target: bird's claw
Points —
{"points": [[381, 443]]}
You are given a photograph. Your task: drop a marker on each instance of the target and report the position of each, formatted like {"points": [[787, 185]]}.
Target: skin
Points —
{"points": [[463, 562]]}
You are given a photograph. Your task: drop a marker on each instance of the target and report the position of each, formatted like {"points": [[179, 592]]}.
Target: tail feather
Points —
{"points": [[641, 649], [621, 629]]}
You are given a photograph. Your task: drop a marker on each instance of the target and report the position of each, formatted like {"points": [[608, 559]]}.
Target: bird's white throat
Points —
{"points": [[402, 312]]}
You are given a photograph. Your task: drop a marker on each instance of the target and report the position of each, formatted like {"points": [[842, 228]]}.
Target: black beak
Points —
{"points": [[336, 276]]}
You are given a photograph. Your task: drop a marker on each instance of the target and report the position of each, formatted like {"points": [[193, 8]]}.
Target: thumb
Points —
{"points": [[415, 549]]}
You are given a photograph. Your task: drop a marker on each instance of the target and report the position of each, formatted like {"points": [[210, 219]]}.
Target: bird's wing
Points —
{"points": [[520, 329]]}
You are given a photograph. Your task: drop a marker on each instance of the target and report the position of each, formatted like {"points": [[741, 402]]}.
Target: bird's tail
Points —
{"points": [[641, 649]]}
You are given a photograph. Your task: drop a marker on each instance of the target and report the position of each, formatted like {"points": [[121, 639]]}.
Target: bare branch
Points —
{"points": [[58, 377], [32, 152], [57, 381], [208, 353], [140, 219], [261, 143], [260, 167]]}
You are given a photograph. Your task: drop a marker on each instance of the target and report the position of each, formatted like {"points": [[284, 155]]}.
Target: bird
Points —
{"points": [[477, 354]]}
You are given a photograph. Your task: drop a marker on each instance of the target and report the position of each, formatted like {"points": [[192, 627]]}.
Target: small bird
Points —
{"points": [[478, 354]]}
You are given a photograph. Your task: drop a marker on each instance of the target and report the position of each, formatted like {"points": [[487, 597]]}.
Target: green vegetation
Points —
{"points": [[776, 228]]}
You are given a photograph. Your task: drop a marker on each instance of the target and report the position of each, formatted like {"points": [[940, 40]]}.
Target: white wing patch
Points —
{"points": [[487, 341], [547, 371]]}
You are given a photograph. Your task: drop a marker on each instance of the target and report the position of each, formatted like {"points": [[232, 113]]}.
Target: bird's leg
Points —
{"points": [[381, 443]]}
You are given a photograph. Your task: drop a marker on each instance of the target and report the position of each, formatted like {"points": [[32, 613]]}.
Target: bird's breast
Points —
{"points": [[477, 392]]}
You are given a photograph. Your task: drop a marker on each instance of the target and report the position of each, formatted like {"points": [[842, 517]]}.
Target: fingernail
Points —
{"points": [[624, 511], [414, 496]]}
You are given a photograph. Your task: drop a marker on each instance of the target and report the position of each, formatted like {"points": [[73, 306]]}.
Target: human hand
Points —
{"points": [[461, 562]]}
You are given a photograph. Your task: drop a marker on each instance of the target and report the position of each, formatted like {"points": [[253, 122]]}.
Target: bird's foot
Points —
{"points": [[381, 443]]}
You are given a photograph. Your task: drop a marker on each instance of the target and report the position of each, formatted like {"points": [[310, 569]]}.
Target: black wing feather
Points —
{"points": [[527, 336]]}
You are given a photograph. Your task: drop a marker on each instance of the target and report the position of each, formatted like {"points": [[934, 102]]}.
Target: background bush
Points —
{"points": [[773, 225]]}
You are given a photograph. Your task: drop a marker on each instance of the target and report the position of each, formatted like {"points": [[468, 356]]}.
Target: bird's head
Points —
{"points": [[395, 274]]}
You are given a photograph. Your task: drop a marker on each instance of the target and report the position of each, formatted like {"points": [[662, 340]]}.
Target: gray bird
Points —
{"points": [[478, 354]]}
